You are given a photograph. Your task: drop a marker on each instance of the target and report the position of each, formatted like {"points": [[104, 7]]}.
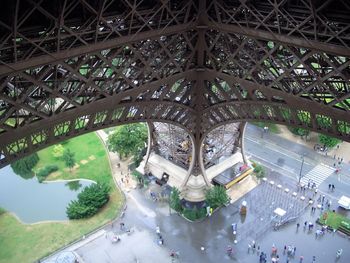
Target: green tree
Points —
{"points": [[24, 166], [58, 151], [68, 158], [216, 196], [90, 200], [329, 141], [175, 201], [259, 170], [128, 139]]}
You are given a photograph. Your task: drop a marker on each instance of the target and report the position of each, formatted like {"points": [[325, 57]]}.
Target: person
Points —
{"points": [[339, 252], [333, 187], [229, 250]]}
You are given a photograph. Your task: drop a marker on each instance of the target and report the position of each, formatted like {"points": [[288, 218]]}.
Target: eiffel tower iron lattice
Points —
{"points": [[71, 67]]}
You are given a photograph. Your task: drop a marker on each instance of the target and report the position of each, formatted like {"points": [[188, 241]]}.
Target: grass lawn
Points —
{"points": [[27, 243], [334, 219], [272, 127]]}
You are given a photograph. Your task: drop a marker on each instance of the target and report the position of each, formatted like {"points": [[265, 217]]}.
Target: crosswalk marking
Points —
{"points": [[318, 174]]}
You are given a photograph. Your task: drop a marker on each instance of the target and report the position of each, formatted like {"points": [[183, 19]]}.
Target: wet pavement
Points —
{"points": [[214, 234]]}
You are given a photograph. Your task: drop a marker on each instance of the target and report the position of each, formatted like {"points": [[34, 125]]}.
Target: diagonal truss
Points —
{"points": [[70, 67]]}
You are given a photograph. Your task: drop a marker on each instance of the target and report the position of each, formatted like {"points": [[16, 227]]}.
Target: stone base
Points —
{"points": [[195, 188]]}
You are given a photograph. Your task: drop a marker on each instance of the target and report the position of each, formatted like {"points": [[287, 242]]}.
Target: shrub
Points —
{"points": [[44, 172], [299, 131], [138, 177], [195, 213], [57, 151], [90, 200]]}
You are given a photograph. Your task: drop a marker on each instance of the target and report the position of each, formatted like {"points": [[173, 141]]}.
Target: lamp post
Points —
{"points": [[301, 167]]}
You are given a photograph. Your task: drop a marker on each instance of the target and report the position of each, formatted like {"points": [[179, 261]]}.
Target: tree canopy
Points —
{"points": [[175, 200], [216, 196], [24, 166], [329, 141], [90, 200], [128, 139]]}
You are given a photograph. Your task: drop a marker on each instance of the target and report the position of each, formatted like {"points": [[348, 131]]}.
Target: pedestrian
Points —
{"points": [[305, 224], [323, 197], [334, 157], [287, 261], [294, 250], [298, 225], [249, 246], [334, 164], [333, 187], [341, 160], [301, 259]]}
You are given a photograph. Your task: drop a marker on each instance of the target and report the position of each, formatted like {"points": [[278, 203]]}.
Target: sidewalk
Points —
{"points": [[120, 168], [342, 151]]}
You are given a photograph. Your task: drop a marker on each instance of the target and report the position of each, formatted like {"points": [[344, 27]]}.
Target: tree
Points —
{"points": [[68, 158], [259, 171], [128, 139], [175, 201], [58, 151], [216, 196], [24, 166], [328, 141], [90, 200]]}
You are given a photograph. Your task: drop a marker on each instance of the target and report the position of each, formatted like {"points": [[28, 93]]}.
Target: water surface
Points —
{"points": [[32, 201]]}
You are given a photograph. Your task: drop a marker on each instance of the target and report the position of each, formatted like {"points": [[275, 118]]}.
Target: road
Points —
{"points": [[285, 158]]}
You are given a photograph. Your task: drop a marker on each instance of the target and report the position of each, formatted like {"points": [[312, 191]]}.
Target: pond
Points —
{"points": [[32, 201]]}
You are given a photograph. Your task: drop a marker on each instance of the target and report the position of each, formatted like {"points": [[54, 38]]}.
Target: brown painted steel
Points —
{"points": [[70, 67]]}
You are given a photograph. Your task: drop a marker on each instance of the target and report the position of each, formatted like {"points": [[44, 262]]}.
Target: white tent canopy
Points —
{"points": [[344, 202], [280, 212]]}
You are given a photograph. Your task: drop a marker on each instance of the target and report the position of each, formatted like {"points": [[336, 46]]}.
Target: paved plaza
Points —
{"points": [[207, 241]]}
